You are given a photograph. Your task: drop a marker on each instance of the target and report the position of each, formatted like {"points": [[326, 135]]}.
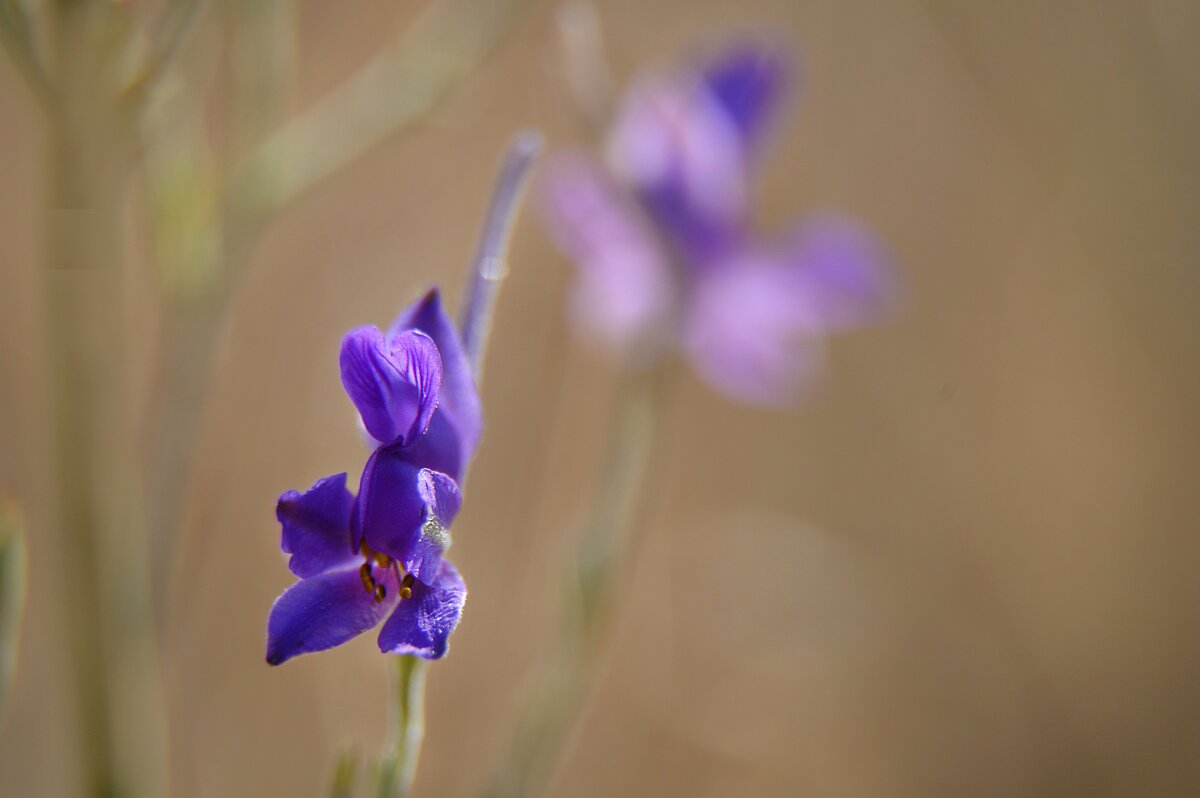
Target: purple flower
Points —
{"points": [[381, 555], [667, 257]]}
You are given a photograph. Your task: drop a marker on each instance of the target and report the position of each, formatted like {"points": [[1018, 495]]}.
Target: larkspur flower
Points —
{"points": [[667, 257], [381, 554]]}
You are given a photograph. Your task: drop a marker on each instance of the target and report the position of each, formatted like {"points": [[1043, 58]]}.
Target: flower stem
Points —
{"points": [[559, 689], [399, 766]]}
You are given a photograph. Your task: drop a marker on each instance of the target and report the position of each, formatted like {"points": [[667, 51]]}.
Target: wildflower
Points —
{"points": [[381, 554], [660, 231]]}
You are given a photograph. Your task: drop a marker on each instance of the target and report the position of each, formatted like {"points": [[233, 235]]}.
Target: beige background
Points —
{"points": [[968, 568]]}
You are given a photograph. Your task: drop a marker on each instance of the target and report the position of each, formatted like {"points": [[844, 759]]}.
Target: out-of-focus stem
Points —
{"points": [[560, 687], [17, 38], [201, 254], [488, 270], [490, 266], [83, 296], [104, 575], [588, 74], [397, 87], [13, 578], [178, 21]]}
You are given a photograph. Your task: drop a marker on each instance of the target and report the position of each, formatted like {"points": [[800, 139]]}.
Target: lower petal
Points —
{"points": [[750, 337], [422, 624], [325, 611], [405, 511]]}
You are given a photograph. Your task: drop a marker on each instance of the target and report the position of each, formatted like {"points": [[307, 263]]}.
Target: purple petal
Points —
{"points": [[459, 398], [406, 511], [842, 270], [326, 611], [422, 624], [316, 526], [394, 383], [683, 153], [439, 449], [750, 335], [624, 289], [748, 80]]}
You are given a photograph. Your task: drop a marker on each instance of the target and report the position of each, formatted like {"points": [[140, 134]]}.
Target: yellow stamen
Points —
{"points": [[405, 592], [380, 593]]}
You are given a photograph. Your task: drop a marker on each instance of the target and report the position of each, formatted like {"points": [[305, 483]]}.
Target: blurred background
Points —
{"points": [[968, 566]]}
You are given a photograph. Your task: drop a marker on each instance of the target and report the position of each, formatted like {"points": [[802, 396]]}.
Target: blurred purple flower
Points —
{"points": [[380, 555], [666, 255]]}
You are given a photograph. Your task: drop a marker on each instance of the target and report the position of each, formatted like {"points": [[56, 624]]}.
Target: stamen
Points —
{"points": [[368, 581], [408, 580], [382, 560], [380, 592], [364, 549], [405, 592], [406, 586]]}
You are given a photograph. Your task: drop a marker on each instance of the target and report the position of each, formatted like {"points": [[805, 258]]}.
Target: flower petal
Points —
{"points": [[459, 398], [405, 511], [316, 526], [393, 382], [842, 270], [624, 289], [748, 80], [750, 335], [674, 142], [422, 624], [325, 611]]}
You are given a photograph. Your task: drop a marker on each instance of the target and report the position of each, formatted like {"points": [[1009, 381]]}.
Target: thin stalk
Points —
{"points": [[83, 303], [397, 87], [488, 270], [104, 574], [593, 576], [399, 767]]}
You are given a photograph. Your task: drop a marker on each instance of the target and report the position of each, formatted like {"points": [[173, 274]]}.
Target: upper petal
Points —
{"points": [[325, 611], [684, 154], [459, 397], [422, 624], [393, 382], [748, 80], [406, 511], [625, 288], [316, 526]]}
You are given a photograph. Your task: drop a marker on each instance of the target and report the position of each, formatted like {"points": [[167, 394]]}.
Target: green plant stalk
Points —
{"points": [[13, 566], [399, 767], [104, 574], [592, 580]]}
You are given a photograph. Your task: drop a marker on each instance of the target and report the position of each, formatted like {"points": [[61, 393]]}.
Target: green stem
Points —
{"points": [[399, 767], [559, 690], [104, 573]]}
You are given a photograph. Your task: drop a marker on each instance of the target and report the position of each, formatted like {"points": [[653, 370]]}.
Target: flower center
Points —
{"points": [[377, 588]]}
